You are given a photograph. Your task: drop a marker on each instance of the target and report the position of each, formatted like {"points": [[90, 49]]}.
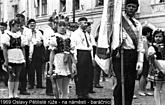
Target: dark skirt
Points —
{"points": [[84, 68]]}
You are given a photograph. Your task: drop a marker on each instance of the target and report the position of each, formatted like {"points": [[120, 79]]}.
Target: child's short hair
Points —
{"points": [[30, 21], [146, 29], [82, 19], [159, 31]]}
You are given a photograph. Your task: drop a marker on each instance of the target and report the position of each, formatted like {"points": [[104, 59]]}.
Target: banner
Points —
{"points": [[116, 37], [102, 56]]}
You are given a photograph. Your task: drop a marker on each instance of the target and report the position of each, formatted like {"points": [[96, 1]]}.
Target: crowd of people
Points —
{"points": [[27, 53], [67, 54]]}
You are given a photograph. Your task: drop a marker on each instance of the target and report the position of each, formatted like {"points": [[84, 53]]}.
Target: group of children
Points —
{"points": [[154, 45]]}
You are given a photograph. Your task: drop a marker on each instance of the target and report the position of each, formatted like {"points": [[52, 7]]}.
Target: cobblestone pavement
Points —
{"points": [[104, 93]]}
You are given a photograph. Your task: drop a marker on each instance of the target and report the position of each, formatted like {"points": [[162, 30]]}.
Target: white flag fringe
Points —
{"points": [[104, 63]]}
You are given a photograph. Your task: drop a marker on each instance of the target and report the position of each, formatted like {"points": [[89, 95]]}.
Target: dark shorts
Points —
{"points": [[16, 69], [60, 76]]}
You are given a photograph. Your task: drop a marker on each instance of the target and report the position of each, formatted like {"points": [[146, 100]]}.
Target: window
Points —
{"points": [[157, 1], [37, 8], [158, 6], [99, 2], [15, 8], [77, 4], [161, 1], [0, 10], [41, 7], [62, 5], [44, 7]]}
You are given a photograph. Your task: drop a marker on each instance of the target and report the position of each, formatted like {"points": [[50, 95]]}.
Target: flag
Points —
{"points": [[36, 3], [102, 56], [116, 35]]}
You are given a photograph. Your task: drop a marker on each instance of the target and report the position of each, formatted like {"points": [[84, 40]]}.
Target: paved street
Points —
{"points": [[106, 92]]}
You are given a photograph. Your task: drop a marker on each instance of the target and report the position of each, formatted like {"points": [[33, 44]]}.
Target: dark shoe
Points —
{"points": [[70, 87], [19, 88], [31, 87], [50, 94], [98, 86], [92, 91], [24, 93], [80, 97], [17, 97], [40, 87], [87, 97]]}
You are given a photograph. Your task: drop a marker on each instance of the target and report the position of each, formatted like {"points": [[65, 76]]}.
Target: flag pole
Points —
{"points": [[122, 74], [122, 60], [117, 40]]}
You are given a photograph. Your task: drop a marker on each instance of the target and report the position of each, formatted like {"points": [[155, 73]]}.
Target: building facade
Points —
{"points": [[41, 10], [152, 11]]}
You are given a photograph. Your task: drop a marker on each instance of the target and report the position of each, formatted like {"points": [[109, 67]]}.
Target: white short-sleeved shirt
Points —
{"points": [[15, 55], [35, 38], [128, 44], [1, 37], [78, 41], [48, 33], [26, 31]]}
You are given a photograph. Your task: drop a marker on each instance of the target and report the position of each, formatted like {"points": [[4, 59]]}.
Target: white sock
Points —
{"points": [[16, 89], [11, 89]]}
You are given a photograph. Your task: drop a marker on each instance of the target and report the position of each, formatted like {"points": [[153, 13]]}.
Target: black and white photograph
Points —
{"points": [[82, 52]]}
